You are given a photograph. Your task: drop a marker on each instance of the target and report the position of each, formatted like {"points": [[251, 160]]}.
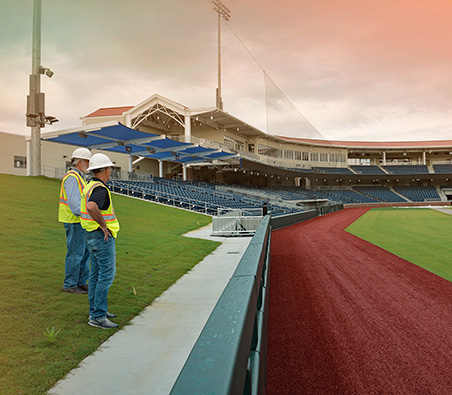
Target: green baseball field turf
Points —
{"points": [[420, 235]]}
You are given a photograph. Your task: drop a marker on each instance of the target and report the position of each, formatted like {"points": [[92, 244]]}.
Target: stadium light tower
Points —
{"points": [[35, 114], [225, 13]]}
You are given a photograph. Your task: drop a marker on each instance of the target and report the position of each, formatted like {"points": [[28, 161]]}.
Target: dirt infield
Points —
{"points": [[347, 317]]}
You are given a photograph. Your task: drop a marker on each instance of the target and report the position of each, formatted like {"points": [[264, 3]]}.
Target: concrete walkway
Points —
{"points": [[147, 356]]}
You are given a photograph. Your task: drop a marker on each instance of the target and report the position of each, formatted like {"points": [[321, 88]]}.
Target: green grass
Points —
{"points": [[151, 255], [421, 236]]}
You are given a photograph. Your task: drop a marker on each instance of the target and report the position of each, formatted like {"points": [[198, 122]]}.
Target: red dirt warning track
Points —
{"points": [[347, 317]]}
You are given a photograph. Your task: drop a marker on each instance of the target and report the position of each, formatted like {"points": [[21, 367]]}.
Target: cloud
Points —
{"points": [[355, 69]]}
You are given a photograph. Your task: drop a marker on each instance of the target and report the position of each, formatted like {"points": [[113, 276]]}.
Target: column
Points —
{"points": [[128, 121], [424, 158], [184, 172], [130, 164], [187, 128], [160, 168], [384, 158]]}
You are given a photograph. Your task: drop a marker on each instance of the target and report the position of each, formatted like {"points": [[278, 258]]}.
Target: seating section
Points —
{"points": [[333, 170], [349, 196], [367, 169], [419, 194], [406, 169], [199, 197], [381, 194], [443, 169], [211, 199]]}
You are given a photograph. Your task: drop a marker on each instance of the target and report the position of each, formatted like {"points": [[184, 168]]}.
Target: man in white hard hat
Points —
{"points": [[99, 219], [77, 256]]}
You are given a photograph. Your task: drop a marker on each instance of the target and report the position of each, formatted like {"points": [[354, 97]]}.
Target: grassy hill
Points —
{"points": [[151, 255]]}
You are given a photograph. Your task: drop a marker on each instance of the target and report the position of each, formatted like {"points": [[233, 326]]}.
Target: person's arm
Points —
{"points": [[94, 212], [73, 195]]}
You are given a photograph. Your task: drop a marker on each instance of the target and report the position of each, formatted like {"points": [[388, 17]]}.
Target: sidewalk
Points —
{"points": [[147, 356]]}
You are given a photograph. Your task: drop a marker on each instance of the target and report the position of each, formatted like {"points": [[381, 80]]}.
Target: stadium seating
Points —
{"points": [[367, 169], [379, 193], [349, 196], [419, 194], [333, 170], [406, 169], [199, 197], [443, 169]]}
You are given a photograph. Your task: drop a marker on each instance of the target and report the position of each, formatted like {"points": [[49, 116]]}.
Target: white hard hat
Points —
{"points": [[99, 161], [81, 153]]}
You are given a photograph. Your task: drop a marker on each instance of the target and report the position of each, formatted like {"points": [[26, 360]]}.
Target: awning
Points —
{"points": [[122, 139]]}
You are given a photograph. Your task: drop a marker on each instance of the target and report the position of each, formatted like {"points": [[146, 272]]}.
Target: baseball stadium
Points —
{"points": [[249, 259], [342, 285]]}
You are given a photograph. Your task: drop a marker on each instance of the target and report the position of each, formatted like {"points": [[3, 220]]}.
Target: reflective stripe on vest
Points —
{"points": [[108, 215], [64, 212]]}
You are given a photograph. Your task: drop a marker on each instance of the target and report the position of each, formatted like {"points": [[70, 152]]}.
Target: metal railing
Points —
{"points": [[236, 222], [230, 355]]}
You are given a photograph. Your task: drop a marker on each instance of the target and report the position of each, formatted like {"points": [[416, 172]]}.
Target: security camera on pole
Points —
{"points": [[36, 117]]}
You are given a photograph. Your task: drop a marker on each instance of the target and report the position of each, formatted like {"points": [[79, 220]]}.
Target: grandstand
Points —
{"points": [[407, 169], [208, 160], [419, 194], [367, 169], [442, 169], [381, 194], [198, 197]]}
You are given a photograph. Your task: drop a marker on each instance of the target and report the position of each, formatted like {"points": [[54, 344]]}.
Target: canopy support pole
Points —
{"points": [[187, 128], [130, 164]]}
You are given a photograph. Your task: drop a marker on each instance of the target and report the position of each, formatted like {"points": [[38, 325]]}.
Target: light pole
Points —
{"points": [[225, 13], [36, 117]]}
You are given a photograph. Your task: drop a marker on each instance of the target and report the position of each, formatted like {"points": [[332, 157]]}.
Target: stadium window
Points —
{"points": [[266, 150], [288, 154], [239, 145], [305, 156], [20, 162], [323, 157], [314, 157], [297, 155], [228, 142]]}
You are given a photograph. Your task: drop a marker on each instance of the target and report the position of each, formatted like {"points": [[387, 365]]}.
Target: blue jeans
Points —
{"points": [[76, 269], [102, 273]]}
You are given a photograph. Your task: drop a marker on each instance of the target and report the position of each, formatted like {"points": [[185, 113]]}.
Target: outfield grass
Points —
{"points": [[421, 236], [151, 255]]}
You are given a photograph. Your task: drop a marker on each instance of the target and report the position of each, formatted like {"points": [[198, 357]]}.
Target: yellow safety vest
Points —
{"points": [[64, 212], [109, 215]]}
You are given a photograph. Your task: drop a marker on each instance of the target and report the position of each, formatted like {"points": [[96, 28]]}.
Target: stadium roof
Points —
{"points": [[116, 137], [109, 111], [373, 144]]}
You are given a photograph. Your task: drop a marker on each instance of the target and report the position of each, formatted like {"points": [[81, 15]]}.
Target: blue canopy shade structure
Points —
{"points": [[122, 139]]}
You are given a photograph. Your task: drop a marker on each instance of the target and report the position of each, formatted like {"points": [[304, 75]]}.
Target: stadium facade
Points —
{"points": [[253, 157]]}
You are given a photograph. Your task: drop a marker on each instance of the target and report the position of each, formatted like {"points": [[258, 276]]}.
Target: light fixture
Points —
{"points": [[50, 120], [44, 70]]}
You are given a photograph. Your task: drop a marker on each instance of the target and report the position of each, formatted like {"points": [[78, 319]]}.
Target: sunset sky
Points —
{"points": [[355, 69]]}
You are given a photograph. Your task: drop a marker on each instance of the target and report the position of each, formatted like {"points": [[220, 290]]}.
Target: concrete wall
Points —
{"points": [[12, 145]]}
